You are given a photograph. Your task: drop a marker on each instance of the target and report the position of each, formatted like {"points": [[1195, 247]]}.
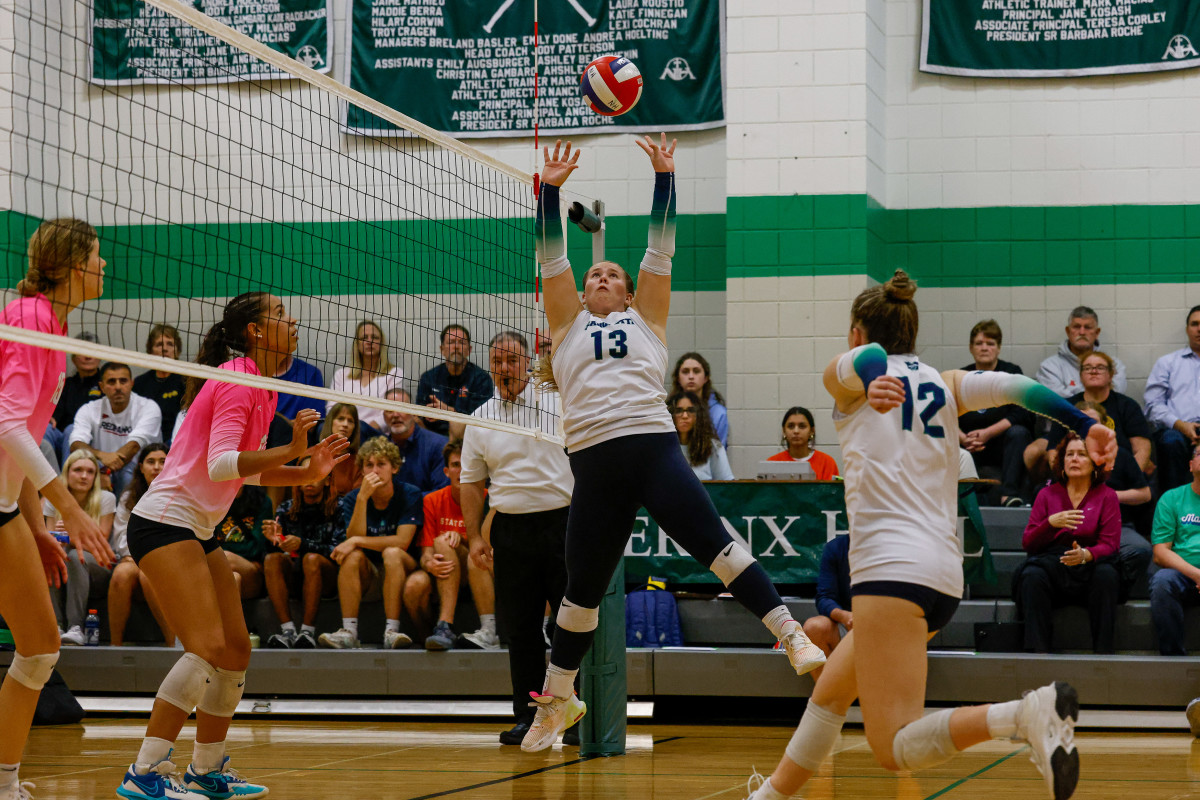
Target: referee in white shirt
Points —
{"points": [[531, 485]]}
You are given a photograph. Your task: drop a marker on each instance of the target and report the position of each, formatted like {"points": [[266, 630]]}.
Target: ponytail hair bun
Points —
{"points": [[901, 288]]}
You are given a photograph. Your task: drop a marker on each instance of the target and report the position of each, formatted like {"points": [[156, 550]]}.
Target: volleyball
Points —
{"points": [[611, 85]]}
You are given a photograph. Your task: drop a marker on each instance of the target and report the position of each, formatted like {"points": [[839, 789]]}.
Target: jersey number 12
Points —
{"points": [[937, 401], [619, 348]]}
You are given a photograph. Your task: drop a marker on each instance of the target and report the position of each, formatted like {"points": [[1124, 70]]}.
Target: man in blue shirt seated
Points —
{"points": [[833, 598], [376, 526], [1173, 403], [456, 385], [421, 449]]}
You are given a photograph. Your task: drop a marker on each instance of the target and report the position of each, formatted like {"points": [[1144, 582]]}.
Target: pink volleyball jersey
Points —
{"points": [[31, 379], [224, 417]]}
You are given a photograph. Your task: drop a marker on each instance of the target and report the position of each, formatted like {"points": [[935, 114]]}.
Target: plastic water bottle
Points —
{"points": [[91, 629]]}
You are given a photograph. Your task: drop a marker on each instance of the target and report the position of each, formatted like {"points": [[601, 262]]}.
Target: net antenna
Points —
{"points": [[203, 190]]}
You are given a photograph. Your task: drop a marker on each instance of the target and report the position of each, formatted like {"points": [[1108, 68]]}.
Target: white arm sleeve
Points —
{"points": [[224, 467], [979, 390]]}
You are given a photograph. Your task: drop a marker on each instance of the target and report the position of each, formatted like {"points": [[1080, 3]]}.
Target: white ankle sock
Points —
{"points": [[1002, 719], [351, 624], [153, 751], [776, 619], [8, 776], [559, 682], [308, 628], [487, 622], [208, 757], [288, 627], [393, 626], [768, 792]]}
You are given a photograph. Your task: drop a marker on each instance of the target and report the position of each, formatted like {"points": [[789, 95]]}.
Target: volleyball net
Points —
{"points": [[217, 165]]}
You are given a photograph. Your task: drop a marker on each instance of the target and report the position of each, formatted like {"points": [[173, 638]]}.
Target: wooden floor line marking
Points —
{"points": [[975, 774], [505, 779]]}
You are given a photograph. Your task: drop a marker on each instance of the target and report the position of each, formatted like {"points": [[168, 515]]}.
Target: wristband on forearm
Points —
{"points": [[548, 233], [660, 246]]}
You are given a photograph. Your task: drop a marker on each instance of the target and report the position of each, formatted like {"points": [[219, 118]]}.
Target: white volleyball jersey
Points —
{"points": [[609, 372], [901, 473]]}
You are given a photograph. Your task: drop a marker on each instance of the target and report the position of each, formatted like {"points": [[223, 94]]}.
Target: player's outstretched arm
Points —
{"points": [[653, 298], [558, 281], [977, 390]]}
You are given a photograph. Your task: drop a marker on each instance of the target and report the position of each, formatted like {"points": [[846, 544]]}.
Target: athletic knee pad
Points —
{"points": [[223, 693], [815, 737], [924, 743], [185, 683], [577, 619], [731, 562], [32, 672]]}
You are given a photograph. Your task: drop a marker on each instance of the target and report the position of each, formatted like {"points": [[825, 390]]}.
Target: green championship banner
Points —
{"points": [[466, 66], [134, 43], [1054, 38], [785, 524]]}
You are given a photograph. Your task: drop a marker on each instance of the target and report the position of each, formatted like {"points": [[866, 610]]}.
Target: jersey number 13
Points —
{"points": [[616, 337]]}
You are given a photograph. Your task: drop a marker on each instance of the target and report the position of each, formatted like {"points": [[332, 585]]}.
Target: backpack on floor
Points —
{"points": [[652, 618], [56, 705]]}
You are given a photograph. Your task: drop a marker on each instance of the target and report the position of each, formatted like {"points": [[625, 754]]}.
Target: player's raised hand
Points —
{"points": [[885, 393], [1101, 445], [559, 164], [304, 422], [662, 158], [325, 454]]}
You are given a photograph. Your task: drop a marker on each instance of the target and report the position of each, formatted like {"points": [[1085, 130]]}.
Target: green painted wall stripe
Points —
{"points": [[337, 258], [952, 247]]}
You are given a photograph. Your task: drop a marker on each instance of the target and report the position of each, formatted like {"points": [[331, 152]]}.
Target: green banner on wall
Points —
{"points": [[466, 67], [134, 43], [1054, 38], [785, 525]]}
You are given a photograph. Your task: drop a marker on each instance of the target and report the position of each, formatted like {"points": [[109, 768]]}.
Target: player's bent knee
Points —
{"points": [[731, 562], [922, 744], [223, 693], [185, 684], [815, 737], [577, 619], [32, 672]]}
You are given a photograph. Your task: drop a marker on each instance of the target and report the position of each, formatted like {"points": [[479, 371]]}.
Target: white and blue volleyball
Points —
{"points": [[612, 85]]}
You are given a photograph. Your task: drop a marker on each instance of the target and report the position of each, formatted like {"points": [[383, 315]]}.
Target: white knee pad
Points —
{"points": [[32, 672], [577, 619], [185, 683], [731, 562], [815, 737], [223, 694], [924, 743]]}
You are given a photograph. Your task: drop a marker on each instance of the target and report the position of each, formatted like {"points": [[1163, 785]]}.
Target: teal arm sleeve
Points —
{"points": [[992, 389], [856, 369]]}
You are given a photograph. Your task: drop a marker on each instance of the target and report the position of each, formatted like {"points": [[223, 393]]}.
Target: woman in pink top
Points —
{"points": [[65, 269], [219, 447], [1072, 539]]}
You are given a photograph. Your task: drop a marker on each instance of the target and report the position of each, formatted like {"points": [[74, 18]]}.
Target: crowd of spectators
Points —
{"points": [[387, 523]]}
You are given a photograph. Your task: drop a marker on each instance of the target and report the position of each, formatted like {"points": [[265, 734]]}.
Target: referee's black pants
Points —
{"points": [[530, 567]]}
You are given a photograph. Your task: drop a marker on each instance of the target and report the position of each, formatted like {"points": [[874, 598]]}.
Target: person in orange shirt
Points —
{"points": [[444, 554], [799, 433]]}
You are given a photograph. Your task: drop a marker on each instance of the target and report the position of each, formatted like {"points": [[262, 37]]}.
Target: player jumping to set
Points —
{"points": [[609, 362], [897, 422]]}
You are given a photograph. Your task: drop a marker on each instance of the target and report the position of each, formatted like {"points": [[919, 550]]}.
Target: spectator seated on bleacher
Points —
{"points": [[996, 437], [377, 523], [82, 387], [81, 475], [342, 420], [420, 448], [241, 537], [117, 426], [1060, 372], [1173, 404], [128, 583], [692, 374], [301, 539], [1176, 540], [833, 598], [698, 438], [1133, 493], [799, 434], [166, 389], [1072, 538]]}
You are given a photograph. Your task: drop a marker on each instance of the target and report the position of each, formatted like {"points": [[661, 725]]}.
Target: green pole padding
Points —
{"points": [[602, 729]]}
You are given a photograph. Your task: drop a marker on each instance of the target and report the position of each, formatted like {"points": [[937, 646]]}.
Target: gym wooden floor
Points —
{"points": [[412, 761]]}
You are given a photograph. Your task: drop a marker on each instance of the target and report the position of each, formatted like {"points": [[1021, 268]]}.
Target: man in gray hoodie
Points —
{"points": [[1060, 372]]}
